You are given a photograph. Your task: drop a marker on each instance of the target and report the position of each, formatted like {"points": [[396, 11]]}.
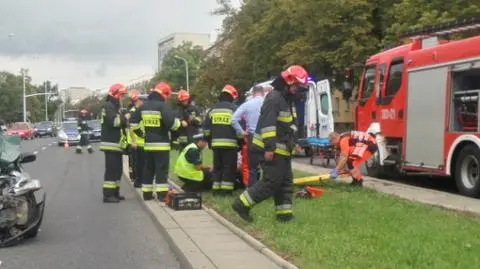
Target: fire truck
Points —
{"points": [[421, 100]]}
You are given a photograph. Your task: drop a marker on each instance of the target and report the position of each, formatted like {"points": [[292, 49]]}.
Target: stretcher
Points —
{"points": [[322, 149]]}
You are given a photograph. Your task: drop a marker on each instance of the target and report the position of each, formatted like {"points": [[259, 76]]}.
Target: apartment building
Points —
{"points": [[176, 39]]}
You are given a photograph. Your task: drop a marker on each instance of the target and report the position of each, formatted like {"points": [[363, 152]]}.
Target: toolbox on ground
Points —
{"points": [[184, 201]]}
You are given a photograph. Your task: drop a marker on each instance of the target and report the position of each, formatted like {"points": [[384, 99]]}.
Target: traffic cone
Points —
{"points": [[66, 146]]}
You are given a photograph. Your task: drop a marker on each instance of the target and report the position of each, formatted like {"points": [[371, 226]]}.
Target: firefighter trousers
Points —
{"points": [[132, 160], [277, 181], [156, 165], [113, 173], [84, 141], [136, 161], [224, 169]]}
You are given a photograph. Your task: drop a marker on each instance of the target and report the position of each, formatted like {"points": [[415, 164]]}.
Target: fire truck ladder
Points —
{"points": [[458, 26]]}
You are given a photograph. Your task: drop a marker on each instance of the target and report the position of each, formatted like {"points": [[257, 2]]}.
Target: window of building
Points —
{"points": [[394, 77], [337, 106]]}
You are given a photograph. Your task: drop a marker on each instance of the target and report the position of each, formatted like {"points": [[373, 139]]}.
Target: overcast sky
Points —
{"points": [[93, 43]]}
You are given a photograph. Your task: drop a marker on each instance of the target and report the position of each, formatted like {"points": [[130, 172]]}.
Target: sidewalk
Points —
{"points": [[412, 193], [201, 241]]}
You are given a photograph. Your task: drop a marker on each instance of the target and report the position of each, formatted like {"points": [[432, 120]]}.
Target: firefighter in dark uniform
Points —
{"points": [[224, 141], [159, 121], [112, 122], [83, 129], [136, 141], [275, 137], [190, 119]]}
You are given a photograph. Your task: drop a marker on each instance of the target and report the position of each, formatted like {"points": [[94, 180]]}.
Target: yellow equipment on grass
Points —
{"points": [[313, 179]]}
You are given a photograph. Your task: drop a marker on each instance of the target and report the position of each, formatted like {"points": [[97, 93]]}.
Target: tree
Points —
{"points": [[92, 104], [173, 69]]}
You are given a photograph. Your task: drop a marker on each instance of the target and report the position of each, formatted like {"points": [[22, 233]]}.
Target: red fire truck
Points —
{"points": [[421, 100]]}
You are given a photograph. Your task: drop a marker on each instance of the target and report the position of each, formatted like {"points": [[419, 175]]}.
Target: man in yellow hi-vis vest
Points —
{"points": [[189, 167]]}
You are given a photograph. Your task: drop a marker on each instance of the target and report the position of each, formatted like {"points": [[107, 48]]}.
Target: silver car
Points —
{"points": [[68, 132]]}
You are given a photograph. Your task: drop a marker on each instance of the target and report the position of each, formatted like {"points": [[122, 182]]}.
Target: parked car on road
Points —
{"points": [[45, 128], [68, 132], [22, 129], [95, 130]]}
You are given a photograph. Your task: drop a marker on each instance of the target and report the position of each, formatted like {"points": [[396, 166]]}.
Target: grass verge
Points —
{"points": [[362, 228]]}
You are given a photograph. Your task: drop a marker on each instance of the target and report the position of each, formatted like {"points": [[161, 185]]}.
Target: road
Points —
{"points": [[445, 184], [79, 231]]}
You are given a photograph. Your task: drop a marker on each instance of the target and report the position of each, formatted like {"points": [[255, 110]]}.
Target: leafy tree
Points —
{"points": [[173, 69], [92, 104]]}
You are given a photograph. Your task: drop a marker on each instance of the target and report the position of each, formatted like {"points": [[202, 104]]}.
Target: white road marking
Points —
{"points": [[44, 148], [35, 152]]}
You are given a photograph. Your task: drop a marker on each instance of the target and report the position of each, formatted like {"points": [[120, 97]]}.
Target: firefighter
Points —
{"points": [[159, 120], [190, 169], [275, 138], [136, 135], [224, 141], [355, 148], [83, 129], [112, 121], [190, 119]]}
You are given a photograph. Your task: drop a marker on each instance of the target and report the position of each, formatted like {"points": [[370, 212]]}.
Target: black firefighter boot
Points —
{"points": [[109, 196], [147, 195], [285, 217], [161, 195], [78, 150], [356, 182], [118, 195], [90, 150], [242, 210]]}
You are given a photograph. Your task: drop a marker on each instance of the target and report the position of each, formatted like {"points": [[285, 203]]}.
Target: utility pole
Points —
{"points": [[46, 102]]}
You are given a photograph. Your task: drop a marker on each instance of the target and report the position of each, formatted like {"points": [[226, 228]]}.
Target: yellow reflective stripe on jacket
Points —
{"points": [[280, 149], [109, 146], [224, 142], [285, 116], [268, 132], [158, 146]]}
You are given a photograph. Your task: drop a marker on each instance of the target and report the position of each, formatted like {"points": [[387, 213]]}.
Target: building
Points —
{"points": [[176, 39], [343, 112], [76, 94]]}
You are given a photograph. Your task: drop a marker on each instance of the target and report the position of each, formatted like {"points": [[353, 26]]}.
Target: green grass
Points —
{"points": [[362, 228]]}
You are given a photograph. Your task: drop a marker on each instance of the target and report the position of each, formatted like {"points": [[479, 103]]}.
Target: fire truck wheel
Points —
{"points": [[467, 171]]}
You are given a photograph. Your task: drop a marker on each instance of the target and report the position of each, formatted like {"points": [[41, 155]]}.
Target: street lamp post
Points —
{"points": [[46, 103], [186, 70], [24, 98]]}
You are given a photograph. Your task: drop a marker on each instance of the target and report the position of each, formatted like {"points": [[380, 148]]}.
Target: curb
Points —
{"points": [[172, 240], [250, 240]]}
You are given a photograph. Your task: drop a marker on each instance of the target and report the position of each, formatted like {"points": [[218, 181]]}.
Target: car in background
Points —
{"points": [[68, 133], [45, 128], [22, 129], [95, 130]]}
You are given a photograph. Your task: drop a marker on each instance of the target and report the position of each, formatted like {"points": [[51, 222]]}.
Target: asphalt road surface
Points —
{"points": [[78, 230], [446, 184]]}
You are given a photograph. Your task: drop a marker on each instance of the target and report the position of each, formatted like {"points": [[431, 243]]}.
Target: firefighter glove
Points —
{"points": [[334, 174]]}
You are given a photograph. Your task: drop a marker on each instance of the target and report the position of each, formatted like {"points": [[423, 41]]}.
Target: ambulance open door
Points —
{"points": [[325, 112], [311, 111]]}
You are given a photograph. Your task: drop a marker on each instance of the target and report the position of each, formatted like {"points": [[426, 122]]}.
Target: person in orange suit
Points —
{"points": [[355, 148]]}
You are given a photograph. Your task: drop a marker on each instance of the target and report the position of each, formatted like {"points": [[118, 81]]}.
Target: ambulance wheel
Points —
{"points": [[467, 171]]}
